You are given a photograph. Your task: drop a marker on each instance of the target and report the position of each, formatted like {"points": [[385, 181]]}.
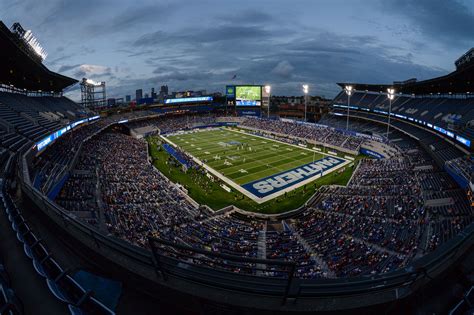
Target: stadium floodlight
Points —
{"points": [[305, 91], [349, 90], [391, 96], [268, 90], [92, 82], [34, 44], [305, 88]]}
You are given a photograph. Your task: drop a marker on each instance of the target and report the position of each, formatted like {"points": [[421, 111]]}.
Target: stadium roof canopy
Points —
{"points": [[460, 81], [20, 69]]}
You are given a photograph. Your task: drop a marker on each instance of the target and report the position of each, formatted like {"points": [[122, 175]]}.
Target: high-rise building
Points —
{"points": [[139, 94], [164, 90], [128, 98], [153, 94]]}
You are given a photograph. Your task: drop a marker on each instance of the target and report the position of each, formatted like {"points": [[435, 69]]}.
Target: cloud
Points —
{"points": [[448, 22], [91, 71], [219, 33], [66, 68], [131, 17], [249, 16], [283, 69], [320, 59]]}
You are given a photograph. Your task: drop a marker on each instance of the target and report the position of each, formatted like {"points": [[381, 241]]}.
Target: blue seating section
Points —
{"points": [[442, 150], [61, 284], [440, 111], [24, 120]]}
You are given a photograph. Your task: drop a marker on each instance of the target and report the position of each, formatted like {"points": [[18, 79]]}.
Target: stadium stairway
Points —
{"points": [[262, 247], [314, 255]]}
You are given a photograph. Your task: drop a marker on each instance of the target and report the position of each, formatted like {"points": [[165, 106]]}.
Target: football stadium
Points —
{"points": [[221, 203]]}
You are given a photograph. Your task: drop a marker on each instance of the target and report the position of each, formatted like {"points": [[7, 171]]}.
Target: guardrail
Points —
{"points": [[203, 266]]}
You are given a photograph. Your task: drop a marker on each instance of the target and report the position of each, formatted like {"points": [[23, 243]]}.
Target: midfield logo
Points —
{"points": [[266, 186]]}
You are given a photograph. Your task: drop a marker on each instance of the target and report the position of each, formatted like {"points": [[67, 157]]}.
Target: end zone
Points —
{"points": [[271, 185]]}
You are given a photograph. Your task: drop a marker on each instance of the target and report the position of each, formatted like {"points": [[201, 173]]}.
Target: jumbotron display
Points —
{"points": [[248, 95]]}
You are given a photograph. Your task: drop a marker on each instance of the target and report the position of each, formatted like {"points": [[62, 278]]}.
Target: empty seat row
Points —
{"points": [[10, 304], [59, 281]]}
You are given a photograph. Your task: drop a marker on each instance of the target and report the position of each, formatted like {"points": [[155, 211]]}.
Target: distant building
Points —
{"points": [[293, 107], [128, 98], [164, 90], [153, 94], [139, 94]]}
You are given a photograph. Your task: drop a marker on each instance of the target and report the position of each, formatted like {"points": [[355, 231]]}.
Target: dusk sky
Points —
{"points": [[202, 44]]}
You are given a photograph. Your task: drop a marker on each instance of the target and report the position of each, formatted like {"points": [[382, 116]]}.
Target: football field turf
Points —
{"points": [[245, 159]]}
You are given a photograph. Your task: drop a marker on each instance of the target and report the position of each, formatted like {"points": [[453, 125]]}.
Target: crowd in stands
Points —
{"points": [[136, 198], [378, 223], [307, 132], [168, 124], [51, 164]]}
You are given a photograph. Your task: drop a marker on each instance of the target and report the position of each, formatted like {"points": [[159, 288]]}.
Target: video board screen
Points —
{"points": [[247, 95]]}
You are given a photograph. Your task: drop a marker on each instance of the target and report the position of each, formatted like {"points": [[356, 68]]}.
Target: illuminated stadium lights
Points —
{"points": [[305, 88], [92, 82], [93, 93], [34, 44], [268, 90], [305, 91], [348, 89], [391, 96]]}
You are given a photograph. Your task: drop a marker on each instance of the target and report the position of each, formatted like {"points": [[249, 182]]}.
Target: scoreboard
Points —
{"points": [[245, 95]]}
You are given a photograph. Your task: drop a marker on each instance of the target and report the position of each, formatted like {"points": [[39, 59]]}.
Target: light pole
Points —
{"points": [[305, 91], [268, 89], [348, 89], [391, 96]]}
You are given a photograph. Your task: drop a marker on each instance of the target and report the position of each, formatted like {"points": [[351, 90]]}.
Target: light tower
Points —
{"points": [[89, 90], [268, 89], [391, 96], [305, 91], [348, 89]]}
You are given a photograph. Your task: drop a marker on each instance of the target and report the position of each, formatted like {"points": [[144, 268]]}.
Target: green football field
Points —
{"points": [[243, 158]]}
